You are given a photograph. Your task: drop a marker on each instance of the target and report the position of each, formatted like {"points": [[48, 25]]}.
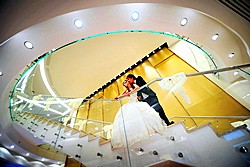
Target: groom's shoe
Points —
{"points": [[170, 123]]}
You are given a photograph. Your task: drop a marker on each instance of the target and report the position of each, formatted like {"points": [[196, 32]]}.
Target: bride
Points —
{"points": [[137, 119]]}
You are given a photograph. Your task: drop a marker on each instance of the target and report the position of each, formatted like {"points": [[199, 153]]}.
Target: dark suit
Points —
{"points": [[148, 95]]}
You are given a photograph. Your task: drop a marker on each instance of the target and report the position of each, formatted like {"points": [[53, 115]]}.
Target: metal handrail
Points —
{"points": [[198, 73], [187, 75]]}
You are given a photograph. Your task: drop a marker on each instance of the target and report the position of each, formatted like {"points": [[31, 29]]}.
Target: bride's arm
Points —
{"points": [[125, 93]]}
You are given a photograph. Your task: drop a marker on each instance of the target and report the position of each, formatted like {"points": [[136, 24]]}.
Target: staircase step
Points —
{"points": [[74, 131], [92, 137], [67, 128], [82, 134], [178, 147], [103, 140]]}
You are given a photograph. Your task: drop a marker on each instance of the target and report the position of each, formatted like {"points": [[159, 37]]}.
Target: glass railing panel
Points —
{"points": [[47, 106], [220, 124], [195, 103], [172, 103], [237, 83], [56, 130], [99, 123], [93, 116], [198, 96], [135, 123]]}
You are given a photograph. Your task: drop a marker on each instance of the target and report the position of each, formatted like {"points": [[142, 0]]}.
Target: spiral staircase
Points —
{"points": [[199, 146], [192, 141]]}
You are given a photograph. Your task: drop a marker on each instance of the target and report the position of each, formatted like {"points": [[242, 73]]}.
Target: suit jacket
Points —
{"points": [[146, 94]]}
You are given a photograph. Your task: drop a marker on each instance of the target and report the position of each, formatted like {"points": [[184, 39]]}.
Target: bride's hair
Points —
{"points": [[139, 80], [131, 76]]}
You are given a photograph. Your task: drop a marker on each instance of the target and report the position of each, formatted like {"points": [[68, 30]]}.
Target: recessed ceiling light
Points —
{"points": [[78, 23], [1, 73], [236, 73], [184, 21], [135, 15], [28, 45], [231, 55], [215, 37]]}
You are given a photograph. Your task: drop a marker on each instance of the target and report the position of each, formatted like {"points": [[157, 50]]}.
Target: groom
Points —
{"points": [[148, 95]]}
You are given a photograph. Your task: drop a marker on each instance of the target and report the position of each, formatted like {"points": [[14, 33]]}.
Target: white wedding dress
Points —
{"points": [[138, 120]]}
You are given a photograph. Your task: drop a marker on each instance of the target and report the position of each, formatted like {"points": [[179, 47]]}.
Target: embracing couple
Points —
{"points": [[139, 119]]}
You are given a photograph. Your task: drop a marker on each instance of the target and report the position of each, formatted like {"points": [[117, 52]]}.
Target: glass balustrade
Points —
{"points": [[199, 100], [220, 100]]}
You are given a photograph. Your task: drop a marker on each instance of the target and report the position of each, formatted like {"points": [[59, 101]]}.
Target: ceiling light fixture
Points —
{"points": [[184, 21], [215, 37], [28, 45], [135, 15], [236, 73], [78, 23], [231, 55]]}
